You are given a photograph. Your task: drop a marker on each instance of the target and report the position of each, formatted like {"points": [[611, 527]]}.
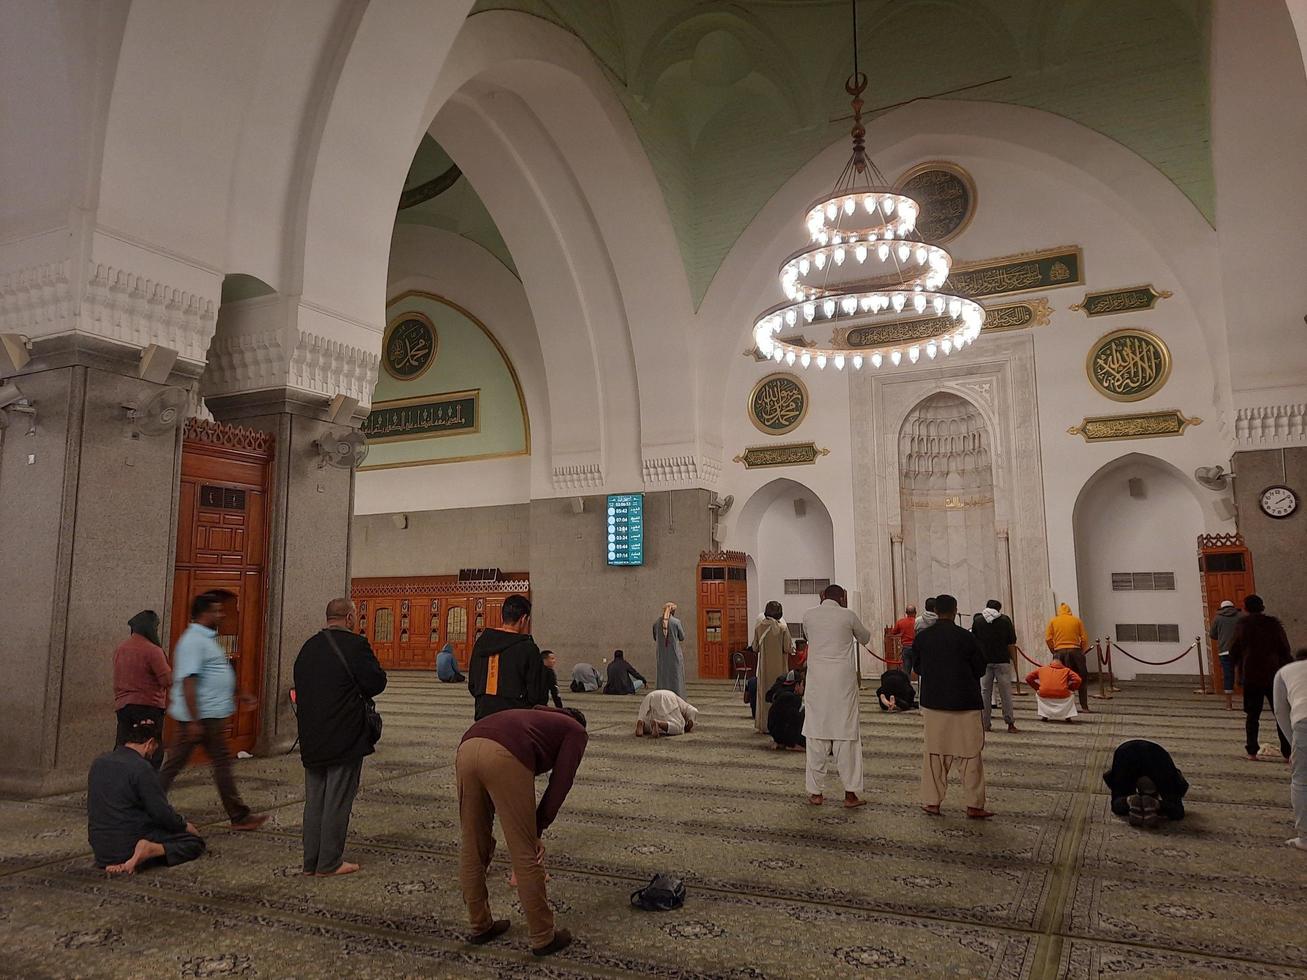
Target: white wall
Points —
{"points": [[790, 546], [1115, 532]]}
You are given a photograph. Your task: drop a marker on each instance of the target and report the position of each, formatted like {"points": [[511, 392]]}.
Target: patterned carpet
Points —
{"points": [[1054, 887]]}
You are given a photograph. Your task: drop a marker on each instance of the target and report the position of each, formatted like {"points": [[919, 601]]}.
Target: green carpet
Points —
{"points": [[1055, 886]]}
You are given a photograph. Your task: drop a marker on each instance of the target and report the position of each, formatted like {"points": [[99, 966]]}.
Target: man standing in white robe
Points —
{"points": [[830, 723]]}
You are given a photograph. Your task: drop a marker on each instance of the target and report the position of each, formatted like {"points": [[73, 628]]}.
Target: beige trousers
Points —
{"points": [[491, 780], [953, 738]]}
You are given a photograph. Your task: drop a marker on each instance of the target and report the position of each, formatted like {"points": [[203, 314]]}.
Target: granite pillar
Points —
{"points": [[308, 539], [87, 531]]}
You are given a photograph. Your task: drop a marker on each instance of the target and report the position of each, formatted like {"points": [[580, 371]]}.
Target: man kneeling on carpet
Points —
{"points": [[785, 717], [1054, 684], [1145, 784], [496, 765], [129, 820], [895, 692], [665, 713]]}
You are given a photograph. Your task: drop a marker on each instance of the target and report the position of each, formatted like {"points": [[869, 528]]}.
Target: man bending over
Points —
{"points": [[129, 821]]}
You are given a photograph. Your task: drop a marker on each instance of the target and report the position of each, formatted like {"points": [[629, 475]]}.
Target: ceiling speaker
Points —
{"points": [[1225, 509], [342, 409], [578, 505], [156, 363], [1137, 487], [13, 353]]}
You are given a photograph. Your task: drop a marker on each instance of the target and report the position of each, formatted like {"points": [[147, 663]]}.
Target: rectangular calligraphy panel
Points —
{"points": [[424, 417]]}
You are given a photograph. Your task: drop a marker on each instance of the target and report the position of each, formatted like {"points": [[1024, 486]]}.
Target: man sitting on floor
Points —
{"points": [[551, 677], [895, 692], [585, 679], [447, 667], [622, 677], [1145, 784], [129, 821], [1053, 685], [785, 717], [665, 713]]}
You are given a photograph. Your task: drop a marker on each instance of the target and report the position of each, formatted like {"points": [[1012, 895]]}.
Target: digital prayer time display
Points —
{"points": [[626, 529]]}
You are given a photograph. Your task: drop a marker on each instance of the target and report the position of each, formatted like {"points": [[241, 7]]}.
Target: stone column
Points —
{"points": [[899, 570], [87, 536], [1004, 568], [275, 366]]}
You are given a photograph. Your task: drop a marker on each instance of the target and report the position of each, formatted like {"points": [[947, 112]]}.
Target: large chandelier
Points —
{"points": [[866, 274]]}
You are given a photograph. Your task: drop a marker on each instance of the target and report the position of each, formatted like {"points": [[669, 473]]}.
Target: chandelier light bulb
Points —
{"points": [[931, 350], [895, 357], [821, 362], [914, 354], [828, 308], [869, 202], [809, 311], [839, 362], [849, 205], [778, 355], [806, 359], [876, 359], [946, 345], [919, 303], [789, 357], [804, 266], [819, 260], [903, 251], [922, 254], [882, 252], [888, 207], [937, 304], [831, 211], [839, 254], [857, 362], [867, 302], [954, 307], [791, 317], [849, 304], [860, 253], [898, 300]]}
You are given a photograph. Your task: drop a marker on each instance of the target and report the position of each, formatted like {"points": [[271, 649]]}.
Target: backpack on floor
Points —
{"points": [[662, 894]]}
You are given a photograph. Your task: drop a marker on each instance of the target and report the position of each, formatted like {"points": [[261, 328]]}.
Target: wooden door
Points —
{"points": [[459, 613], [222, 545], [385, 630], [714, 652], [1225, 567]]}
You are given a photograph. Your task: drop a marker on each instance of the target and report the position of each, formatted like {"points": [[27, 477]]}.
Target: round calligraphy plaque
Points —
{"points": [[778, 404], [947, 196], [409, 346], [1127, 365]]}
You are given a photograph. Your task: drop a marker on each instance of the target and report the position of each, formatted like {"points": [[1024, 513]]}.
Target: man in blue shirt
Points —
{"points": [[202, 702], [447, 667]]}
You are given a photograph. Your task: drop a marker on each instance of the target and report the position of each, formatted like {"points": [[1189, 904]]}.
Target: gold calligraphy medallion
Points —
{"points": [[947, 196], [778, 403], [409, 346], [1127, 365]]}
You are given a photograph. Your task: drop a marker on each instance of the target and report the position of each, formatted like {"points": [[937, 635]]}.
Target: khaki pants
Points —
{"points": [[491, 780], [953, 738]]}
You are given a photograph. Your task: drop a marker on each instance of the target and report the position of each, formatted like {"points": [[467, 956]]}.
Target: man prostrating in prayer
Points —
{"points": [[830, 723]]}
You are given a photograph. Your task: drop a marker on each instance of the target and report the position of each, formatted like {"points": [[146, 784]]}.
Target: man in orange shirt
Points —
{"points": [[141, 678], [1053, 686], [1066, 638], [906, 629]]}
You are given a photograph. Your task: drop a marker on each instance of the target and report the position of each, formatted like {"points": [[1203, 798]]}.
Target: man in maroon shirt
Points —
{"points": [[497, 763], [141, 677]]}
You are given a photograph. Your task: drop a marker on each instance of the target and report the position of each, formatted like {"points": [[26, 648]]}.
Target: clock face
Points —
{"points": [[1278, 501]]}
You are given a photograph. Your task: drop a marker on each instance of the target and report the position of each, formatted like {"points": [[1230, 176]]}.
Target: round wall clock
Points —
{"points": [[778, 404], [409, 346], [1127, 365], [1278, 501]]}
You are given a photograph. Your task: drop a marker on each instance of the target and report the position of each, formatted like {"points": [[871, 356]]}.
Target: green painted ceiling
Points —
{"points": [[457, 209], [730, 99]]}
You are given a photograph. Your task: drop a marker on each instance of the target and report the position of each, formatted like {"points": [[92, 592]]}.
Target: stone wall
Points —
{"points": [[1277, 545], [584, 609], [440, 542]]}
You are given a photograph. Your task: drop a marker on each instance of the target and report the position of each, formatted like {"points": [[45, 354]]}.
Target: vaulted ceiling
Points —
{"points": [[730, 99]]}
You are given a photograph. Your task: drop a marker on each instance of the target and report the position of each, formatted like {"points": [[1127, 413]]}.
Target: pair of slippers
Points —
{"points": [[1145, 805]]}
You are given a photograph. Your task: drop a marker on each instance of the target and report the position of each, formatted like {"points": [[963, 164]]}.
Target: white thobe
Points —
{"points": [[830, 697], [667, 706]]}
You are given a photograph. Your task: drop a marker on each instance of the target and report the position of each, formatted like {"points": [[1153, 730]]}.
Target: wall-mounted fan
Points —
{"points": [[160, 413], [345, 449], [723, 505], [1213, 477]]}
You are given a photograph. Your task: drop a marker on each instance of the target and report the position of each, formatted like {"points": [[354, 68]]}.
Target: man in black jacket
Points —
{"points": [[998, 638], [622, 676], [129, 821], [334, 671], [951, 663], [506, 669]]}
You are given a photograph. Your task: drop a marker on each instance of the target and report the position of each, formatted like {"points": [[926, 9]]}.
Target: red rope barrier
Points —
{"points": [[873, 653], [1152, 663], [1030, 659]]}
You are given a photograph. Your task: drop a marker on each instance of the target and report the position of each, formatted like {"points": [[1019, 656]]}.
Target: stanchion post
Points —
{"points": [[1111, 674], [1202, 676], [1102, 672]]}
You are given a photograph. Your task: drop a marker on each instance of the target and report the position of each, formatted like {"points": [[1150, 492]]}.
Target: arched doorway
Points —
{"points": [[946, 494], [1135, 522], [789, 536]]}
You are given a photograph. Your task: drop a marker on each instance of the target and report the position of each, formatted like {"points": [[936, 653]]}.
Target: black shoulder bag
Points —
{"points": [[663, 893], [371, 716]]}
